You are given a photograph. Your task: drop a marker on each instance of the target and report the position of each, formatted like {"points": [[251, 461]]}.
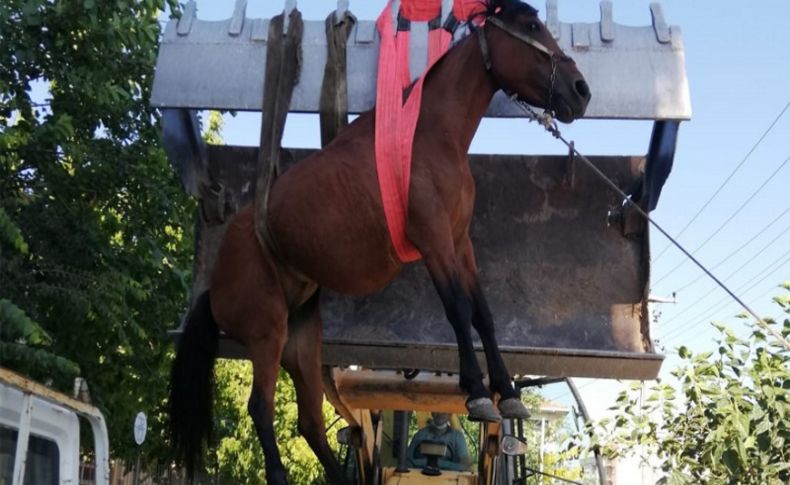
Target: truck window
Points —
{"points": [[43, 459]]}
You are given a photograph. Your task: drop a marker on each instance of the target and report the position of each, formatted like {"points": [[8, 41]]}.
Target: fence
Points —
{"points": [[125, 474]]}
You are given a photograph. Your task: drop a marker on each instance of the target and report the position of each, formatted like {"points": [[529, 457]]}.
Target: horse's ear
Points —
{"points": [[482, 10], [494, 7], [490, 7]]}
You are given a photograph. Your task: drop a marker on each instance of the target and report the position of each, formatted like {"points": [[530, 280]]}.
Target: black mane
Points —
{"points": [[506, 8]]}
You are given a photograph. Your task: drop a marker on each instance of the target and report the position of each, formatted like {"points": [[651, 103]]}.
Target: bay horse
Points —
{"points": [[326, 216]]}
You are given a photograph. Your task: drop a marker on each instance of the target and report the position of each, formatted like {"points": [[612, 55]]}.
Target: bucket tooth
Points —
{"points": [[552, 18], [580, 36], [607, 21], [237, 21], [187, 18], [659, 23]]}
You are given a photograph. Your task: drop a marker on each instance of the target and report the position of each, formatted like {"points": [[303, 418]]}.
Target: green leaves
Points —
{"points": [[728, 421], [26, 347], [683, 352], [10, 234], [107, 246], [16, 326], [238, 453], [29, 360]]}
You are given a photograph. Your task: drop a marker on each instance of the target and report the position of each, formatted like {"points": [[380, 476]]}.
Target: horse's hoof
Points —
{"points": [[513, 408], [482, 409]]}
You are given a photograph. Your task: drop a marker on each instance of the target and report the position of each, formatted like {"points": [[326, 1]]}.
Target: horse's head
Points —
{"points": [[525, 60]]}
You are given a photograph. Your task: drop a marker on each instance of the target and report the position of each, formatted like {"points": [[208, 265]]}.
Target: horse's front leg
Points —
{"points": [[446, 272], [458, 308], [510, 405]]}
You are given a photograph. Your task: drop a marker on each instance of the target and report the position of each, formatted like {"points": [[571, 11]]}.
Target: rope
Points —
{"points": [[550, 125]]}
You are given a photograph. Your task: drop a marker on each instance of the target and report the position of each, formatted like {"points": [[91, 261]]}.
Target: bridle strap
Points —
{"points": [[521, 36], [481, 39]]}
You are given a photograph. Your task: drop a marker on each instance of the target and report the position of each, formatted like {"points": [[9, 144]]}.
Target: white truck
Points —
{"points": [[40, 435]]}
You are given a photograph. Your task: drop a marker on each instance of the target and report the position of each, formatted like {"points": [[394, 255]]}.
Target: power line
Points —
{"points": [[763, 294], [769, 270], [757, 254], [706, 329], [730, 275], [765, 272], [736, 251], [724, 224], [727, 180], [778, 318], [682, 325]]}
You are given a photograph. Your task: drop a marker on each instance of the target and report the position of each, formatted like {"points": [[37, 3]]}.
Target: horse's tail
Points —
{"points": [[192, 384]]}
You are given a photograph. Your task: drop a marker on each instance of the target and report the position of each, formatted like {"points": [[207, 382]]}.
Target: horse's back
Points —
{"points": [[326, 215]]}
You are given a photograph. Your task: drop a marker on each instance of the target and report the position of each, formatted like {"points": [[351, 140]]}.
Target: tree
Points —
{"points": [[24, 345], [731, 421], [560, 458], [86, 183]]}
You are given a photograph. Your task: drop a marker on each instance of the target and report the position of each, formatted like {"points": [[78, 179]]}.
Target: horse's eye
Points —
{"points": [[533, 27]]}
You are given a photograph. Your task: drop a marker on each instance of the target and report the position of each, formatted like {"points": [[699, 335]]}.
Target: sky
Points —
{"points": [[738, 65]]}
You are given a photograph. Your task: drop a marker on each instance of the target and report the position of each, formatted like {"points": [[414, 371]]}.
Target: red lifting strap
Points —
{"points": [[396, 121], [420, 10]]}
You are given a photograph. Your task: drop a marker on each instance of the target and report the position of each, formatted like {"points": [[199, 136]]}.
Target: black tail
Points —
{"points": [[192, 385]]}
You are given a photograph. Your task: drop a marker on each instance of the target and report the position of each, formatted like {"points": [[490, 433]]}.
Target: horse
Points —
{"points": [[325, 215]]}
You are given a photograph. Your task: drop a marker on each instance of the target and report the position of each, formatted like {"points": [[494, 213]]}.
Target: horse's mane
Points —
{"points": [[507, 8]]}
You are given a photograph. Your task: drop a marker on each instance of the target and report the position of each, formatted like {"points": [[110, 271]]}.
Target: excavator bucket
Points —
{"points": [[564, 264]]}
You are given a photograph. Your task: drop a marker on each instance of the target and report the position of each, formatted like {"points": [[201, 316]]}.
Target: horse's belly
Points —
{"points": [[341, 244], [344, 261]]}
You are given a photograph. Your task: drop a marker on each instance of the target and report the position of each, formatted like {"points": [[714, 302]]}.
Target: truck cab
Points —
{"points": [[40, 434]]}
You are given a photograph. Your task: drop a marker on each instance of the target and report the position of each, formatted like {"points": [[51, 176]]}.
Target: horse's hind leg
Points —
{"points": [[263, 333], [265, 354], [302, 360], [248, 303]]}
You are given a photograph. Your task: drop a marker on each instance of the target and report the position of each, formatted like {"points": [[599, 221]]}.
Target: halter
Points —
{"points": [[553, 56]]}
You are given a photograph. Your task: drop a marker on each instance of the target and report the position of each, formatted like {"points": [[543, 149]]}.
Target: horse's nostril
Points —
{"points": [[582, 88]]}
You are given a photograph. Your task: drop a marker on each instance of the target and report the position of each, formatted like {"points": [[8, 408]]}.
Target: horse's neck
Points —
{"points": [[457, 93]]}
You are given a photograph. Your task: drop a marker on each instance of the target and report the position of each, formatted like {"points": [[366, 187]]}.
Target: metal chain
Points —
{"points": [[548, 122], [552, 80]]}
